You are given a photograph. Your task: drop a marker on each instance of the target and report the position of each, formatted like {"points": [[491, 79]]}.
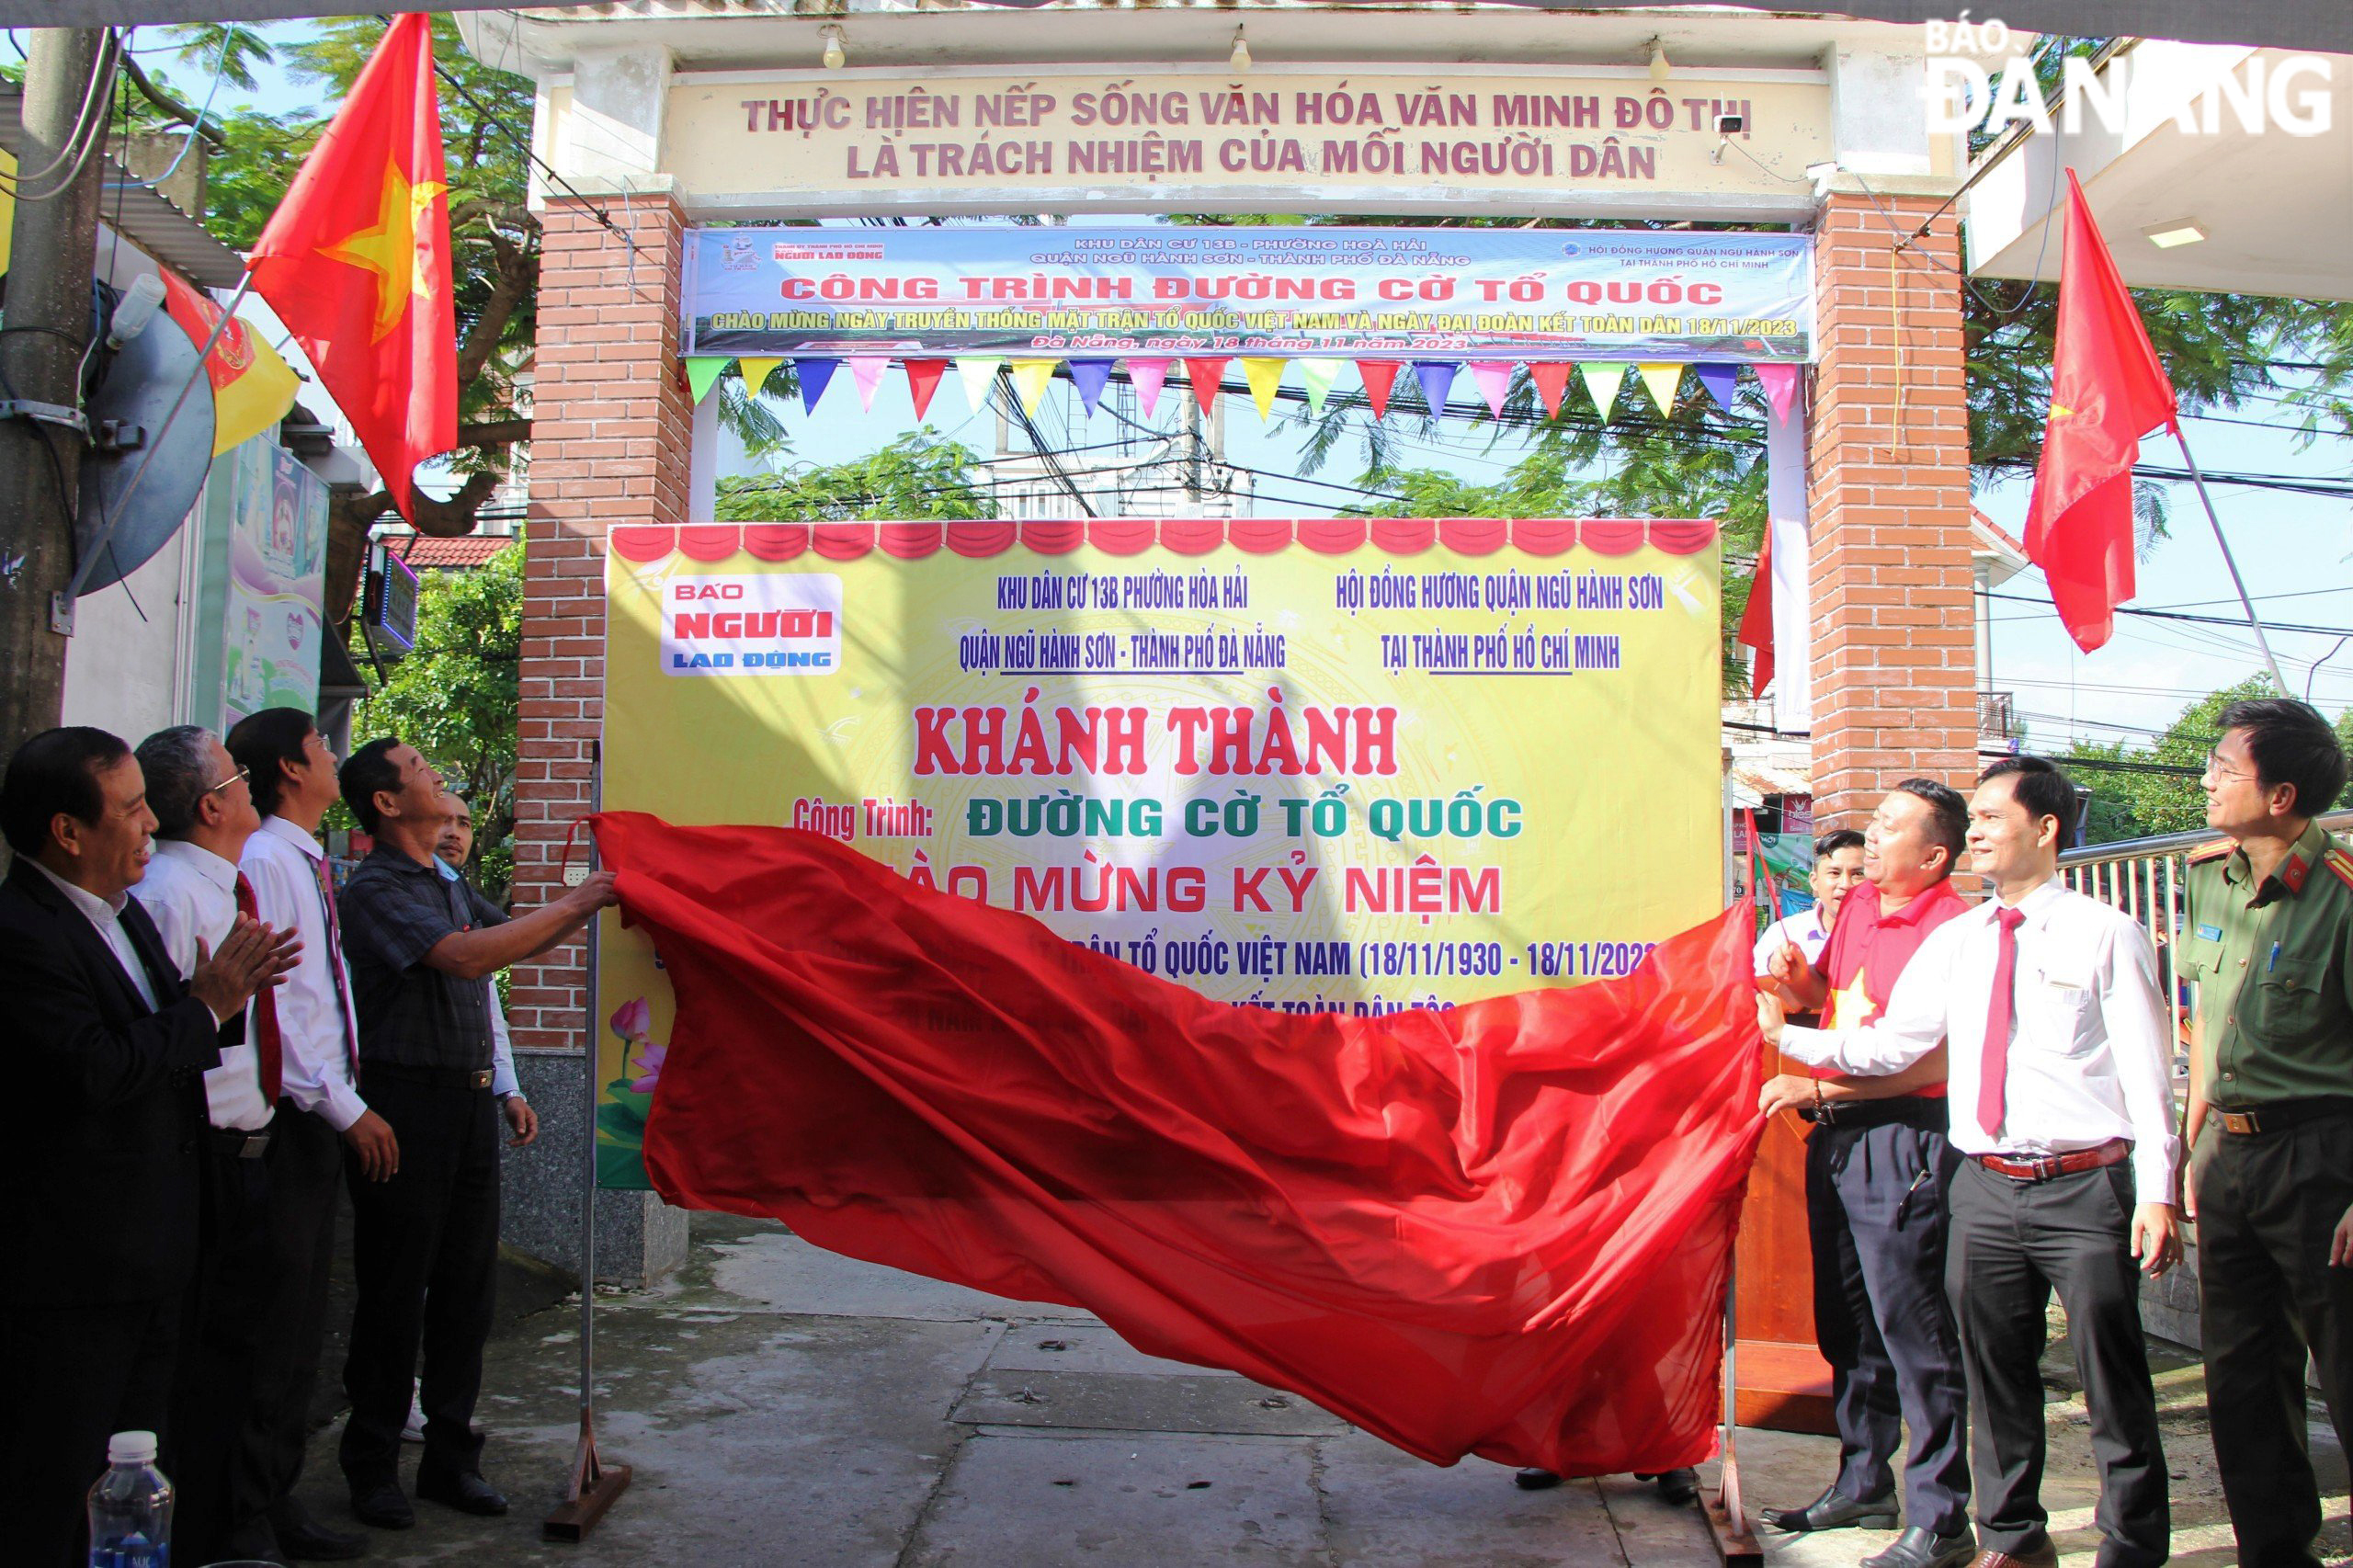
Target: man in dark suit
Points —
{"points": [[105, 1049]]}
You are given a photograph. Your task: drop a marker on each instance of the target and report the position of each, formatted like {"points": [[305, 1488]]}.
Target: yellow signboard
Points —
{"points": [[1319, 766], [1591, 139]]}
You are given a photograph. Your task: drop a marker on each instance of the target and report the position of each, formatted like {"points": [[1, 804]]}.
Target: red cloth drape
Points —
{"points": [[1501, 1230]]}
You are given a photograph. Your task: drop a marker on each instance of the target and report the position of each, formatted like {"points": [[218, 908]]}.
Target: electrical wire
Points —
{"points": [[89, 131]]}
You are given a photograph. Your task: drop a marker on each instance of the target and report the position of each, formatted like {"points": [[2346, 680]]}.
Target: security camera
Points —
{"points": [[1731, 124]]}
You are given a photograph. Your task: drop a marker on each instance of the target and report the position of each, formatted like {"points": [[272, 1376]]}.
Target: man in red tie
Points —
{"points": [[2060, 1062], [193, 890]]}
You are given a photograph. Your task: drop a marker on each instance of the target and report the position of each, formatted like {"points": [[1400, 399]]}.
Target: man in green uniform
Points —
{"points": [[2270, 1118]]}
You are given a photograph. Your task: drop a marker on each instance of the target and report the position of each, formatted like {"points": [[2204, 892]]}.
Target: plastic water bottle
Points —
{"points": [[131, 1507]]}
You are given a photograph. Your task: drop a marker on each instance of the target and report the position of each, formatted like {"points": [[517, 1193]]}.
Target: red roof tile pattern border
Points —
{"points": [[428, 552], [1541, 537]]}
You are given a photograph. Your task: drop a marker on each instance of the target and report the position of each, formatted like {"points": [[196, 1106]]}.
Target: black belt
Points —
{"points": [[234, 1144], [2279, 1114], [437, 1078], [1924, 1111]]}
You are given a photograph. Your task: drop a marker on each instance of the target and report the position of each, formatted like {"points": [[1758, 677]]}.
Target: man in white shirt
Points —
{"points": [[2060, 1084], [1838, 866], [292, 774], [204, 813]]}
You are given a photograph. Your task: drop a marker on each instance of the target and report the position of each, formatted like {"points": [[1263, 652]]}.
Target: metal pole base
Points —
{"points": [[595, 1488], [1728, 1522]]}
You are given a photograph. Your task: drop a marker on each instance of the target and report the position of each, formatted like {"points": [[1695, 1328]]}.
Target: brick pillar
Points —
{"points": [[1894, 625], [610, 440]]}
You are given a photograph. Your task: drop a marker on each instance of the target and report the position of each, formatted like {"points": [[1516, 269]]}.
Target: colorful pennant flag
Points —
{"points": [[1265, 378], [356, 262], [1780, 383], [1147, 376], [1437, 377], [1495, 383], [866, 369], [1317, 376], [1661, 381], [702, 374], [1552, 380], [1090, 376], [1379, 376], [1030, 379], [1721, 382], [1205, 375], [978, 372], [756, 370], [251, 387], [923, 379], [1603, 378], [812, 375]]}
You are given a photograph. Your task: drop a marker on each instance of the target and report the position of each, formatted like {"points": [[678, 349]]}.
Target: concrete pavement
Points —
{"points": [[784, 1405]]}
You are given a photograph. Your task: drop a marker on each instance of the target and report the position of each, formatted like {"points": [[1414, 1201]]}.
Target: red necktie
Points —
{"points": [[334, 962], [1998, 1010], [268, 1048]]}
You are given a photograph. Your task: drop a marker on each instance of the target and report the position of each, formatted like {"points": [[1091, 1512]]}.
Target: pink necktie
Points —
{"points": [[334, 960], [1998, 1010]]}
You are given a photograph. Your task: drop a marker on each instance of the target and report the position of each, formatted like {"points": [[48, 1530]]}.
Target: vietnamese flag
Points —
{"points": [[251, 387], [1756, 618], [2107, 391], [356, 262], [1504, 1229]]}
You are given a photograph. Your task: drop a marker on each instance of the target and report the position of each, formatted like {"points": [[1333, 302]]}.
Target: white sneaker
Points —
{"points": [[414, 1431]]}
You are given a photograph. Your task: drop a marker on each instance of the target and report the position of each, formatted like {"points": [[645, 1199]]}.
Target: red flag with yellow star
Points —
{"points": [[2107, 391], [356, 262]]}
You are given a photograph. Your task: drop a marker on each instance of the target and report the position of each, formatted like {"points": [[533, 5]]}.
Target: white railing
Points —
{"points": [[2148, 878]]}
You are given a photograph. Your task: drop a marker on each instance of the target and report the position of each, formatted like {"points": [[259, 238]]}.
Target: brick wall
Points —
{"points": [[1895, 648], [611, 434]]}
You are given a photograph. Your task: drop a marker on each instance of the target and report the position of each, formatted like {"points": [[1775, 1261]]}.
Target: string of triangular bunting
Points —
{"points": [[1604, 380]]}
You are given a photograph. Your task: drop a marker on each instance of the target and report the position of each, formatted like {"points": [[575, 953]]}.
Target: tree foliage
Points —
{"points": [[454, 697], [915, 477], [494, 238], [2135, 804]]}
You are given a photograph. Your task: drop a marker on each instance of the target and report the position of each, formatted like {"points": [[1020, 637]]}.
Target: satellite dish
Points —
{"points": [[127, 410]]}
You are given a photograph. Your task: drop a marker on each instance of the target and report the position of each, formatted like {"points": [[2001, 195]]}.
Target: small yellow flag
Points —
{"points": [[8, 208], [756, 372], [1030, 379], [1661, 381], [1264, 376]]}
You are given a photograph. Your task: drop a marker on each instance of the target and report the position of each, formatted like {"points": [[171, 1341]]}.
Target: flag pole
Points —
{"points": [[2238, 582]]}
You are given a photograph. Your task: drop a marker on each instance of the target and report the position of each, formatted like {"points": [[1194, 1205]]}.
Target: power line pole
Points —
{"points": [[53, 248]]}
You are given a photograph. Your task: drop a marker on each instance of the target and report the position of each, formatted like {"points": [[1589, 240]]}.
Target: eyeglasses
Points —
{"points": [[240, 775], [2218, 769]]}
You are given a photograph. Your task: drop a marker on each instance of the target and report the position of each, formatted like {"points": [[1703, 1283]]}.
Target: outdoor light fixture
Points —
{"points": [[138, 307], [835, 55], [2181, 232], [1659, 66], [1240, 58]]}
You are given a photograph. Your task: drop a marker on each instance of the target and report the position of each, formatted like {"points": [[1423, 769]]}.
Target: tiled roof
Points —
{"points": [[425, 553]]}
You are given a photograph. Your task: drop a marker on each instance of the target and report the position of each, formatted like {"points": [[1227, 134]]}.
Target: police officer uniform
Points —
{"points": [[2272, 1172]]}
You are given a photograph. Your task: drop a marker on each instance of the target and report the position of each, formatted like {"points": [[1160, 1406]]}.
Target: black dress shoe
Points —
{"points": [[466, 1491], [1533, 1479], [304, 1539], [1919, 1548], [1833, 1511], [381, 1506], [1679, 1485]]}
